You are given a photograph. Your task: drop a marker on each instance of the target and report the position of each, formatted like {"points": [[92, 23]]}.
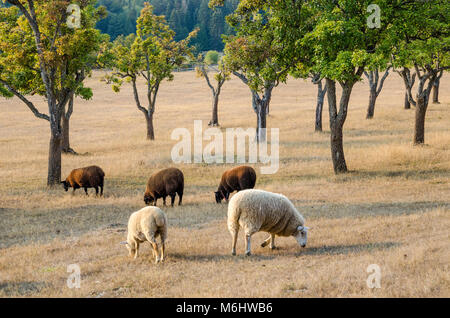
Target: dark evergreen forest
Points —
{"points": [[183, 16]]}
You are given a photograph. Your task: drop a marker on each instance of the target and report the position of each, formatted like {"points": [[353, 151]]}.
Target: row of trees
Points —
{"points": [[336, 41], [330, 42]]}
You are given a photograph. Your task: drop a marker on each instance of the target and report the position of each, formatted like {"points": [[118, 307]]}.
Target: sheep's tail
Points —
{"points": [[161, 221]]}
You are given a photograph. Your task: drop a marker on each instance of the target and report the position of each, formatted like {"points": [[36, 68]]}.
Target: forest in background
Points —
{"points": [[183, 16]]}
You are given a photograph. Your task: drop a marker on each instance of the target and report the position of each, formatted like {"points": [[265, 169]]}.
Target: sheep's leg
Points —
{"points": [[266, 241], [85, 190], [164, 201], [234, 234], [155, 251], [136, 251], [96, 191], [101, 190], [248, 237], [272, 242], [172, 198], [163, 249], [180, 195], [151, 238]]}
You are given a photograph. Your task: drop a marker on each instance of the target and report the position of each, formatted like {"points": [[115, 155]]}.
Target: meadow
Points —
{"points": [[391, 209]]}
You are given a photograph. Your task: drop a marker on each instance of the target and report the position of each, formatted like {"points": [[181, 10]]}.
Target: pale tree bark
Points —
{"points": [[214, 122], [260, 105], [376, 85], [65, 122], [408, 80], [321, 91], [436, 87]]}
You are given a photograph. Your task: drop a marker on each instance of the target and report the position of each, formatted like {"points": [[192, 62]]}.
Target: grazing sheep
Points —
{"points": [[257, 210], [236, 179], [167, 182], [146, 225], [88, 177]]}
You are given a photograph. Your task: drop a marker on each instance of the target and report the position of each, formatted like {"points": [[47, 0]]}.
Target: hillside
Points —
{"points": [[183, 17]]}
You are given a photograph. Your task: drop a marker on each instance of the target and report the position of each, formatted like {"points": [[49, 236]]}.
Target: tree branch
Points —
{"points": [[26, 101], [386, 73], [136, 96]]}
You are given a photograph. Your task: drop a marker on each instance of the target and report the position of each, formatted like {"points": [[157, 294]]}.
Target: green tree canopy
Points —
{"points": [[40, 53], [151, 54]]}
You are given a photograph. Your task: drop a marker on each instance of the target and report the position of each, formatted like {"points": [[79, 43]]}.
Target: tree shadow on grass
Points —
{"points": [[21, 288], [407, 174], [351, 210], [348, 249], [220, 257]]}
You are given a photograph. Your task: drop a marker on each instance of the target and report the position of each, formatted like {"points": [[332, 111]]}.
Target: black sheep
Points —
{"points": [[236, 179], [167, 182], [88, 177]]}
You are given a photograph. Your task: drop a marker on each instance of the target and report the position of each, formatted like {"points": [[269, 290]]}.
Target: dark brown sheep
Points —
{"points": [[167, 182], [236, 179], [88, 177]]}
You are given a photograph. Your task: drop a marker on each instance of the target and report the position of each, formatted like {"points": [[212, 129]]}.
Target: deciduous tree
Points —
{"points": [[151, 54], [221, 75], [40, 53]]}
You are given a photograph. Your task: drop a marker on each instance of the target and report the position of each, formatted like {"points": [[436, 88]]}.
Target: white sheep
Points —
{"points": [[145, 225], [258, 210]]}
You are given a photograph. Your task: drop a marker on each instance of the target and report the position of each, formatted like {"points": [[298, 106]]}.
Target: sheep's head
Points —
{"points": [[301, 235], [220, 196], [131, 250], [148, 199], [66, 185]]}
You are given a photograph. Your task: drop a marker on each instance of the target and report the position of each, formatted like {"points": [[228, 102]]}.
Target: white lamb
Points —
{"points": [[258, 210], [145, 225]]}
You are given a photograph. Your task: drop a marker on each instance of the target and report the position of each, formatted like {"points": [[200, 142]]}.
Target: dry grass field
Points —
{"points": [[392, 209]]}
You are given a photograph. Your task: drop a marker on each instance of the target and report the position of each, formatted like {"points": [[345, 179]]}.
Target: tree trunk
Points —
{"points": [[65, 143], [54, 160], [54, 154], [260, 106], [150, 130], [261, 119], [319, 107], [372, 101], [337, 120], [215, 116], [436, 91], [419, 126], [407, 103], [262, 129], [337, 148]]}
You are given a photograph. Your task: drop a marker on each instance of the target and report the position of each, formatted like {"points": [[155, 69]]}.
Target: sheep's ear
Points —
{"points": [[300, 228], [307, 228]]}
